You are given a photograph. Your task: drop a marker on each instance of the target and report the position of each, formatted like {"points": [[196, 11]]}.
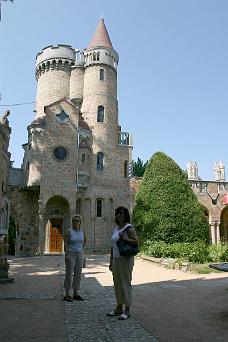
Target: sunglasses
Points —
{"points": [[76, 220]]}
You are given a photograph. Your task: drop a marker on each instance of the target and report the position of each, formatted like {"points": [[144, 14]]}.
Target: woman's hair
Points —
{"points": [[77, 215], [125, 213]]}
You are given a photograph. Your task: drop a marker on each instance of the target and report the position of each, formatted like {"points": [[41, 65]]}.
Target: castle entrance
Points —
{"points": [[57, 222], [56, 235]]}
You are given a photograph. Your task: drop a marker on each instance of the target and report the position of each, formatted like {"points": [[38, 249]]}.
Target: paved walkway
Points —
{"points": [[171, 305], [32, 308], [87, 321]]}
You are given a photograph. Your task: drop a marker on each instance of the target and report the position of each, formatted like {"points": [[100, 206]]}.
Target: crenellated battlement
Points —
{"points": [[101, 55], [60, 57]]}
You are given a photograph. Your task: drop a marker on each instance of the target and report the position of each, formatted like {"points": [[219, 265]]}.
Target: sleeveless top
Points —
{"points": [[76, 240], [115, 237]]}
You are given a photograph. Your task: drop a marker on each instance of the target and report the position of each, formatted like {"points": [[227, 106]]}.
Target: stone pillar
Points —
{"points": [[41, 231], [213, 236], [218, 240], [93, 219]]}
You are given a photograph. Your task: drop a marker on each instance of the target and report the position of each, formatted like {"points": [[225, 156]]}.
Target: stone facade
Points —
{"points": [[76, 159], [4, 173]]}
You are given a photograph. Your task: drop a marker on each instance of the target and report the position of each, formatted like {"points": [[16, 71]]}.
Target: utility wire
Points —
{"points": [[16, 104]]}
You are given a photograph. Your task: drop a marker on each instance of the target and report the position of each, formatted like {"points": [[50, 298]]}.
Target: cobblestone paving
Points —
{"points": [[87, 321]]}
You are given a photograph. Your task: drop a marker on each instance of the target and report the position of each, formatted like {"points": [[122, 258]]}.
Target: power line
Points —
{"points": [[16, 104]]}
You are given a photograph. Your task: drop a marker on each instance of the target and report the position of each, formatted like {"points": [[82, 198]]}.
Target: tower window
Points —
{"points": [[100, 114], [83, 158], [125, 169], [101, 74], [100, 161], [99, 208]]}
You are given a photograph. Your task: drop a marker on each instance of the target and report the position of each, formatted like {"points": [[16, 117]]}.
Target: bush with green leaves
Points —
{"points": [[218, 253], [195, 252], [166, 208]]}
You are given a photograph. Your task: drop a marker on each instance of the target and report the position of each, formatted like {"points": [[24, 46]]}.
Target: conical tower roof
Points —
{"points": [[100, 37]]}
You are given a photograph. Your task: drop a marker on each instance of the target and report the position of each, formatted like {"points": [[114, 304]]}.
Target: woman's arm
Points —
{"points": [[111, 260], [84, 242], [66, 242]]}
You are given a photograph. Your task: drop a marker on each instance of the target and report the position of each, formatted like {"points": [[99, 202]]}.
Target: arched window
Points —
{"points": [[100, 114], [100, 161], [99, 208], [125, 169], [101, 74]]}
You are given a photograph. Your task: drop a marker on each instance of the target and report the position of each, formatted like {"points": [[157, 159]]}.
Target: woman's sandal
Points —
{"points": [[77, 297], [68, 299], [114, 313], [124, 316]]}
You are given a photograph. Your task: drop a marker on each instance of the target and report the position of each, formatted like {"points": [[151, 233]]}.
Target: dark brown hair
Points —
{"points": [[126, 214]]}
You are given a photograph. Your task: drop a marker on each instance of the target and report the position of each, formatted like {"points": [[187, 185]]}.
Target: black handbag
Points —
{"points": [[125, 248]]}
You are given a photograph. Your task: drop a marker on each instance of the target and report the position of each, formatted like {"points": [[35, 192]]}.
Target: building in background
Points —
{"points": [[76, 159]]}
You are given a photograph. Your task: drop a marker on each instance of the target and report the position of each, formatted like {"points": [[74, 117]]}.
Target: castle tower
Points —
{"points": [[109, 184], [53, 71], [99, 107]]}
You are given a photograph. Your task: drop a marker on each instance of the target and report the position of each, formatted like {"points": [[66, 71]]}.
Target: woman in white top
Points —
{"points": [[122, 266], [74, 244]]}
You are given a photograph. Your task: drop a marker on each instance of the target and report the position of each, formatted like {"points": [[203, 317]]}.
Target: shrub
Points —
{"points": [[166, 207]]}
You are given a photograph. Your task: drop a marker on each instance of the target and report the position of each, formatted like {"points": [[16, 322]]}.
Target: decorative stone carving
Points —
{"points": [[192, 170], [219, 171], [3, 118]]}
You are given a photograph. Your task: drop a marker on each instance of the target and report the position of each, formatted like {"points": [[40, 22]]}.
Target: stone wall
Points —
{"points": [[24, 210]]}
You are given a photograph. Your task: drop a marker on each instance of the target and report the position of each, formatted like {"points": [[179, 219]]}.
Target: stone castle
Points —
{"points": [[77, 159]]}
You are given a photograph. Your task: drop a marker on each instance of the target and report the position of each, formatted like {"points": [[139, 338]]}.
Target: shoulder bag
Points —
{"points": [[125, 248]]}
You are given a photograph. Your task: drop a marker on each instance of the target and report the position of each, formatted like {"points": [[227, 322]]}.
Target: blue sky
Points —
{"points": [[172, 76]]}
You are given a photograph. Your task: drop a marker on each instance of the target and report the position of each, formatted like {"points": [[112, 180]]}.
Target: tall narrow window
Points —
{"points": [[100, 161], [101, 74], [99, 208], [83, 158], [125, 169], [100, 114]]}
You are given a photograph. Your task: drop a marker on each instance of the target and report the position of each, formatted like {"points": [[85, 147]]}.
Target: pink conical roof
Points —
{"points": [[100, 37]]}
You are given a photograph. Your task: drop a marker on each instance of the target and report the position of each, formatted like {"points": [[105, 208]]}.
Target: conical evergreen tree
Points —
{"points": [[166, 207]]}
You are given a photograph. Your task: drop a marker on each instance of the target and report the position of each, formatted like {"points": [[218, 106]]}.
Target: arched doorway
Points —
{"points": [[57, 211], [224, 224]]}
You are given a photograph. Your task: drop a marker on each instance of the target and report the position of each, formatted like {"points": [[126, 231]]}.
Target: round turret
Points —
{"points": [[99, 107], [53, 70]]}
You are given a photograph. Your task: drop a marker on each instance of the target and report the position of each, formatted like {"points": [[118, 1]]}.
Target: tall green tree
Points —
{"points": [[139, 167], [166, 207]]}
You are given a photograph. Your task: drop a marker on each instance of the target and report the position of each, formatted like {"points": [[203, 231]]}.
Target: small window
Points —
{"points": [[100, 161], [125, 169], [101, 74], [99, 208], [100, 114], [83, 158]]}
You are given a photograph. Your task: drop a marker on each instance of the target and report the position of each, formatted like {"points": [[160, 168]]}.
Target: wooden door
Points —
{"points": [[56, 229]]}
